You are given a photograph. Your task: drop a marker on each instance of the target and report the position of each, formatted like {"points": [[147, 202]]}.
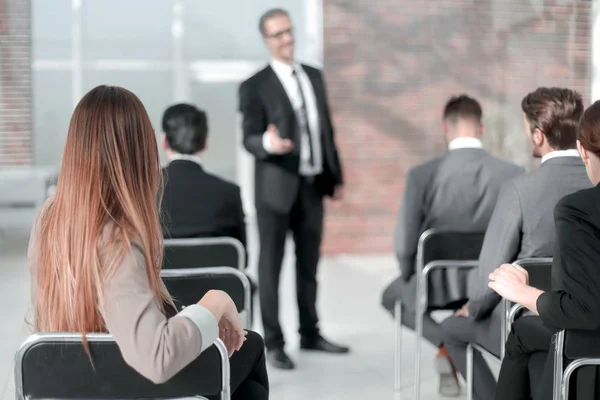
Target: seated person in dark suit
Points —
{"points": [[456, 191], [196, 203]]}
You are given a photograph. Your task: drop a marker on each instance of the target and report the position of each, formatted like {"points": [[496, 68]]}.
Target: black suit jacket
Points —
{"points": [[263, 101], [574, 302], [198, 204]]}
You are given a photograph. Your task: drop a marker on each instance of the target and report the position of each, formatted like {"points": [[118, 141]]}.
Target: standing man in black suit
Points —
{"points": [[287, 127]]}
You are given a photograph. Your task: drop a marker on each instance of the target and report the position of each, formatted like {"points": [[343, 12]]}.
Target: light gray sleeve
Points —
{"points": [[501, 245], [408, 224], [156, 347]]}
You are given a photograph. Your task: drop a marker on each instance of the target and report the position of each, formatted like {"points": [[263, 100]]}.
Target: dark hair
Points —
{"points": [[589, 129], [462, 106], [555, 112], [186, 128], [273, 12]]}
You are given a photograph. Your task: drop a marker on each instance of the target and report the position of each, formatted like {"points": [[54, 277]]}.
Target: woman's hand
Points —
{"points": [[510, 281], [231, 330]]}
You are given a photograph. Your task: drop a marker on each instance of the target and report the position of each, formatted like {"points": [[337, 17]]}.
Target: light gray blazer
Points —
{"points": [[522, 226], [155, 346], [456, 191]]}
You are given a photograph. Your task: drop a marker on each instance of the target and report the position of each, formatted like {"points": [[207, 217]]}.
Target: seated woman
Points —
{"points": [[96, 253], [574, 302]]}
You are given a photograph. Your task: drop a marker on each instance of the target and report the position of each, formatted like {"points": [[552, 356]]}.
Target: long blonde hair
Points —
{"points": [[110, 177]]}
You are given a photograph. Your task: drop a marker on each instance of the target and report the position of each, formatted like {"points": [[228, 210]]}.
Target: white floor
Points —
{"points": [[349, 296]]}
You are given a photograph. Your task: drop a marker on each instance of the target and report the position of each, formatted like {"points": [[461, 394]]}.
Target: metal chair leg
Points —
{"points": [[559, 340], [469, 372], [419, 331], [397, 343]]}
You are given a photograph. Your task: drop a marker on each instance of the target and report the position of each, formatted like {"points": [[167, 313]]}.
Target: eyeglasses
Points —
{"points": [[280, 34]]}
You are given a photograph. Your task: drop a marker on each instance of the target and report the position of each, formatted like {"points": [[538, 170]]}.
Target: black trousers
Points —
{"points": [[249, 379], [527, 337], [305, 221]]}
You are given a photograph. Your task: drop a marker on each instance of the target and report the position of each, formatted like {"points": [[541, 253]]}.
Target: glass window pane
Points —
{"points": [[213, 31], [219, 101], [52, 110], [132, 29], [51, 29]]}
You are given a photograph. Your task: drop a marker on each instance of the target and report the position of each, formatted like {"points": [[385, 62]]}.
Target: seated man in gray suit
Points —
{"points": [[456, 191], [522, 224]]}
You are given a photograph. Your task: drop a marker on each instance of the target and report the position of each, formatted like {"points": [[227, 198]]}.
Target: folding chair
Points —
{"points": [[437, 251], [581, 348], [204, 252], [188, 285], [539, 270], [56, 366]]}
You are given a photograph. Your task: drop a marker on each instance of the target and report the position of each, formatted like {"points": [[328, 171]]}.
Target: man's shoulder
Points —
{"points": [[258, 77], [425, 168], [309, 69], [503, 165]]}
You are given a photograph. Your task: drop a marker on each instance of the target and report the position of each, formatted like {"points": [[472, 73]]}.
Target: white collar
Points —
{"points": [[187, 157], [465, 143], [560, 153], [282, 68]]}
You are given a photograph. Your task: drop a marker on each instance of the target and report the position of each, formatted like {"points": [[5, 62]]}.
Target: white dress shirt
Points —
{"points": [[188, 157], [285, 74], [560, 153], [465, 143]]}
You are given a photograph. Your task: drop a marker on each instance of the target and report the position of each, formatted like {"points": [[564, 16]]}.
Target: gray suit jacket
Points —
{"points": [[522, 226], [456, 191]]}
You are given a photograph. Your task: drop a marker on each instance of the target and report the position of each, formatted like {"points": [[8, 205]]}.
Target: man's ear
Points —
{"points": [[585, 157], [165, 142], [538, 137]]}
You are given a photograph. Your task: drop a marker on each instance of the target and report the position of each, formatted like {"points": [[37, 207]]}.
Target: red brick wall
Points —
{"points": [[391, 65], [16, 147]]}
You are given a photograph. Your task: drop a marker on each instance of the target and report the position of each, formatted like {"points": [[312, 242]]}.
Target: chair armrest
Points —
{"points": [[512, 315], [449, 264]]}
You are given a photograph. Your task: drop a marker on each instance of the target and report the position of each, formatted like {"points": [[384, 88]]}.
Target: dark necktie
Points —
{"points": [[303, 121]]}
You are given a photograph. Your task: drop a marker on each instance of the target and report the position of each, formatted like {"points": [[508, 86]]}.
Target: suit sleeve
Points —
{"points": [[501, 245], [254, 122], [156, 347], [336, 160], [577, 252], [408, 225]]}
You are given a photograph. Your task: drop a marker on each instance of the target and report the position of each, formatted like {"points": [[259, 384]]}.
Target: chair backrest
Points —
{"points": [[540, 276], [55, 366], [540, 272], [188, 285], [204, 252], [435, 245], [446, 286]]}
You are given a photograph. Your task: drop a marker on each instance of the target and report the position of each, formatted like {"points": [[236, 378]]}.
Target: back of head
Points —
{"points": [[556, 113], [106, 198], [462, 117], [185, 128]]}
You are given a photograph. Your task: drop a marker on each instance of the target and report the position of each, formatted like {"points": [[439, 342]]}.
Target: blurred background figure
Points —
{"points": [[287, 128]]}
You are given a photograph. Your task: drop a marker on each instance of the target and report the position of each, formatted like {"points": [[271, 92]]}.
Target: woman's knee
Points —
{"points": [[255, 341]]}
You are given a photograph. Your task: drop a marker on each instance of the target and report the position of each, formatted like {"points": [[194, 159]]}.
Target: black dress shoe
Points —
{"points": [[278, 359], [320, 344]]}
